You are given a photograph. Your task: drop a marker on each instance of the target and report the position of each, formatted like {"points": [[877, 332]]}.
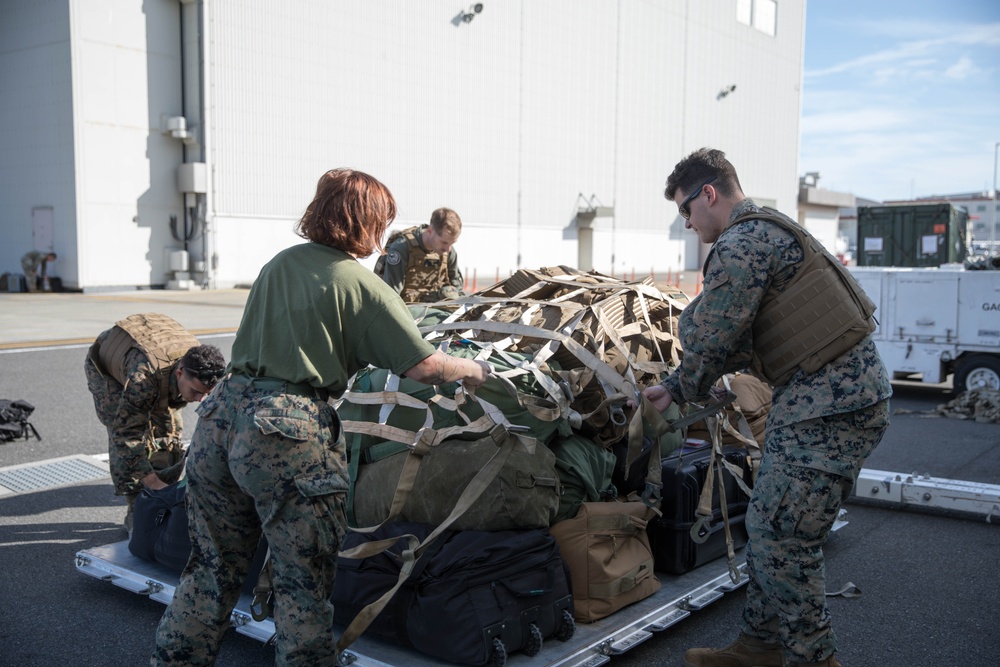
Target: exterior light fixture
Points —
{"points": [[474, 9]]}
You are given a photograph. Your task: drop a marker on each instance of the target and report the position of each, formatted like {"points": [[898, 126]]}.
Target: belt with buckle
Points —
{"points": [[284, 386]]}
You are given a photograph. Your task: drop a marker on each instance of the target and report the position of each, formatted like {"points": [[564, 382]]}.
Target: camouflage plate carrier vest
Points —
{"points": [[819, 316], [426, 272], [160, 338]]}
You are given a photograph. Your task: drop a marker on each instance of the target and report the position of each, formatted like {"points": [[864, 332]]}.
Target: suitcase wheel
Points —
{"points": [[567, 627], [498, 656], [534, 642]]}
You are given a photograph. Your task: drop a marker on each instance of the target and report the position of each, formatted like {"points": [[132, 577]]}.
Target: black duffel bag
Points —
{"points": [[160, 526], [472, 598]]}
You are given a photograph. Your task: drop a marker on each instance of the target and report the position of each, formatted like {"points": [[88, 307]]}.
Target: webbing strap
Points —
{"points": [[703, 515], [505, 445], [620, 521], [603, 371], [622, 584], [421, 443], [614, 333], [263, 592]]}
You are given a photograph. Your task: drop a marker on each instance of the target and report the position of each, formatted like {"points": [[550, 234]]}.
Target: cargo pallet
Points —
{"points": [[592, 644]]}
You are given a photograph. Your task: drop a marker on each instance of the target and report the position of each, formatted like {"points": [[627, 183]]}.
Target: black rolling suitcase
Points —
{"points": [[670, 534], [473, 596], [160, 526]]}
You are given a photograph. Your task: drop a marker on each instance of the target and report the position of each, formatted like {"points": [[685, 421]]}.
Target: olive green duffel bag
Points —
{"points": [[480, 476]]}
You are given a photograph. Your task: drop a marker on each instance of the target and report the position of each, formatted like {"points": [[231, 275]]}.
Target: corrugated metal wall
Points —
{"points": [[512, 119], [126, 70], [507, 118], [36, 129]]}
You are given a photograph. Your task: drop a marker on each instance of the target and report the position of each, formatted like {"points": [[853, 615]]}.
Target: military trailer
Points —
{"points": [[937, 322], [911, 235]]}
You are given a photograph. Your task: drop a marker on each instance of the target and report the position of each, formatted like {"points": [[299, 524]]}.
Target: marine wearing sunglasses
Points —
{"points": [[683, 208]]}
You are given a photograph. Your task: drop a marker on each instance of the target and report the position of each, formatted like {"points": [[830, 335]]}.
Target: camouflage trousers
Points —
{"points": [[807, 471], [126, 457], [30, 275], [260, 461]]}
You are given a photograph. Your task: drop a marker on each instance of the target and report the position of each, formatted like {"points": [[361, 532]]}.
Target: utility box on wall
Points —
{"points": [[192, 177], [911, 235]]}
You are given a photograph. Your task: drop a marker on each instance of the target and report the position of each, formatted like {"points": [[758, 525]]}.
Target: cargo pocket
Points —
{"points": [[291, 423], [326, 493]]}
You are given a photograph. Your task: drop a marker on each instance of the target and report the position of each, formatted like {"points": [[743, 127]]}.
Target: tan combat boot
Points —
{"points": [[746, 651]]}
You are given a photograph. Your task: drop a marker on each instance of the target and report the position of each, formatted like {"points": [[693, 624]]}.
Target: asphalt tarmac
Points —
{"points": [[930, 590]]}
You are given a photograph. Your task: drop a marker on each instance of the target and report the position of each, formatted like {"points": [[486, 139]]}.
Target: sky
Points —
{"points": [[901, 98]]}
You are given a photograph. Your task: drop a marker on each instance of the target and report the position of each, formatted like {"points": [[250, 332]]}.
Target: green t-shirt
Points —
{"points": [[317, 316]]}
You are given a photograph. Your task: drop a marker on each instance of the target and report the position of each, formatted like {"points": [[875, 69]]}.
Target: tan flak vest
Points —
{"points": [[162, 339], [426, 272], [820, 315]]}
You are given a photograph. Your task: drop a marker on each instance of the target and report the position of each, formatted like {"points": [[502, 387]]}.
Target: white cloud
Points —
{"points": [[961, 70], [901, 107], [913, 55]]}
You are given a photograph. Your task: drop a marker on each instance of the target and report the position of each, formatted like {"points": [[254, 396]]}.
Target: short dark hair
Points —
{"points": [[350, 212], [204, 362], [446, 220], [700, 166]]}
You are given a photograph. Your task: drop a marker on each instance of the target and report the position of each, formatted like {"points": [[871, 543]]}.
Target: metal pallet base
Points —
{"points": [[923, 491], [592, 644]]}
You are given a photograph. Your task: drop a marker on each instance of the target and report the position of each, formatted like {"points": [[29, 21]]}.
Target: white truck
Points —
{"points": [[937, 322]]}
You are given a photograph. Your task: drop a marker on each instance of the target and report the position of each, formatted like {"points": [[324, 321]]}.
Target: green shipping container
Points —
{"points": [[917, 235]]}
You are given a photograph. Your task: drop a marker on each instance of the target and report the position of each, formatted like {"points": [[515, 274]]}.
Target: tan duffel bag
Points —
{"points": [[610, 561], [747, 415]]}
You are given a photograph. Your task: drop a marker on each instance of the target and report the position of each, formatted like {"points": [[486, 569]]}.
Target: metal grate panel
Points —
{"points": [[52, 473]]}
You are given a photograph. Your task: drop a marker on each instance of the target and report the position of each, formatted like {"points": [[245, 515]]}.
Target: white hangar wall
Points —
{"points": [[84, 85], [126, 77], [36, 130], [508, 119], [515, 119]]}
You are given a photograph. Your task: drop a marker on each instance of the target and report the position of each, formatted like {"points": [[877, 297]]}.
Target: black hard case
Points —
{"points": [[670, 535]]}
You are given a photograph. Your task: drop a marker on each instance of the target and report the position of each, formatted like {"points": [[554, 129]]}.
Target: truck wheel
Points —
{"points": [[980, 371]]}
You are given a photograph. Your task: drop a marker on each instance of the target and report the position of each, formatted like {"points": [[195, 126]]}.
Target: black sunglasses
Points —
{"points": [[683, 208], [207, 376]]}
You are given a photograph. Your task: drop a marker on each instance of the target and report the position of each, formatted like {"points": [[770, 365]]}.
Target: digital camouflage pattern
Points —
{"points": [[30, 264], [142, 437], [792, 510], [821, 428], [260, 454], [749, 260]]}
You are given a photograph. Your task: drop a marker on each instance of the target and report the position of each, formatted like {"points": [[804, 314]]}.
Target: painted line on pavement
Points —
{"points": [[71, 343]]}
